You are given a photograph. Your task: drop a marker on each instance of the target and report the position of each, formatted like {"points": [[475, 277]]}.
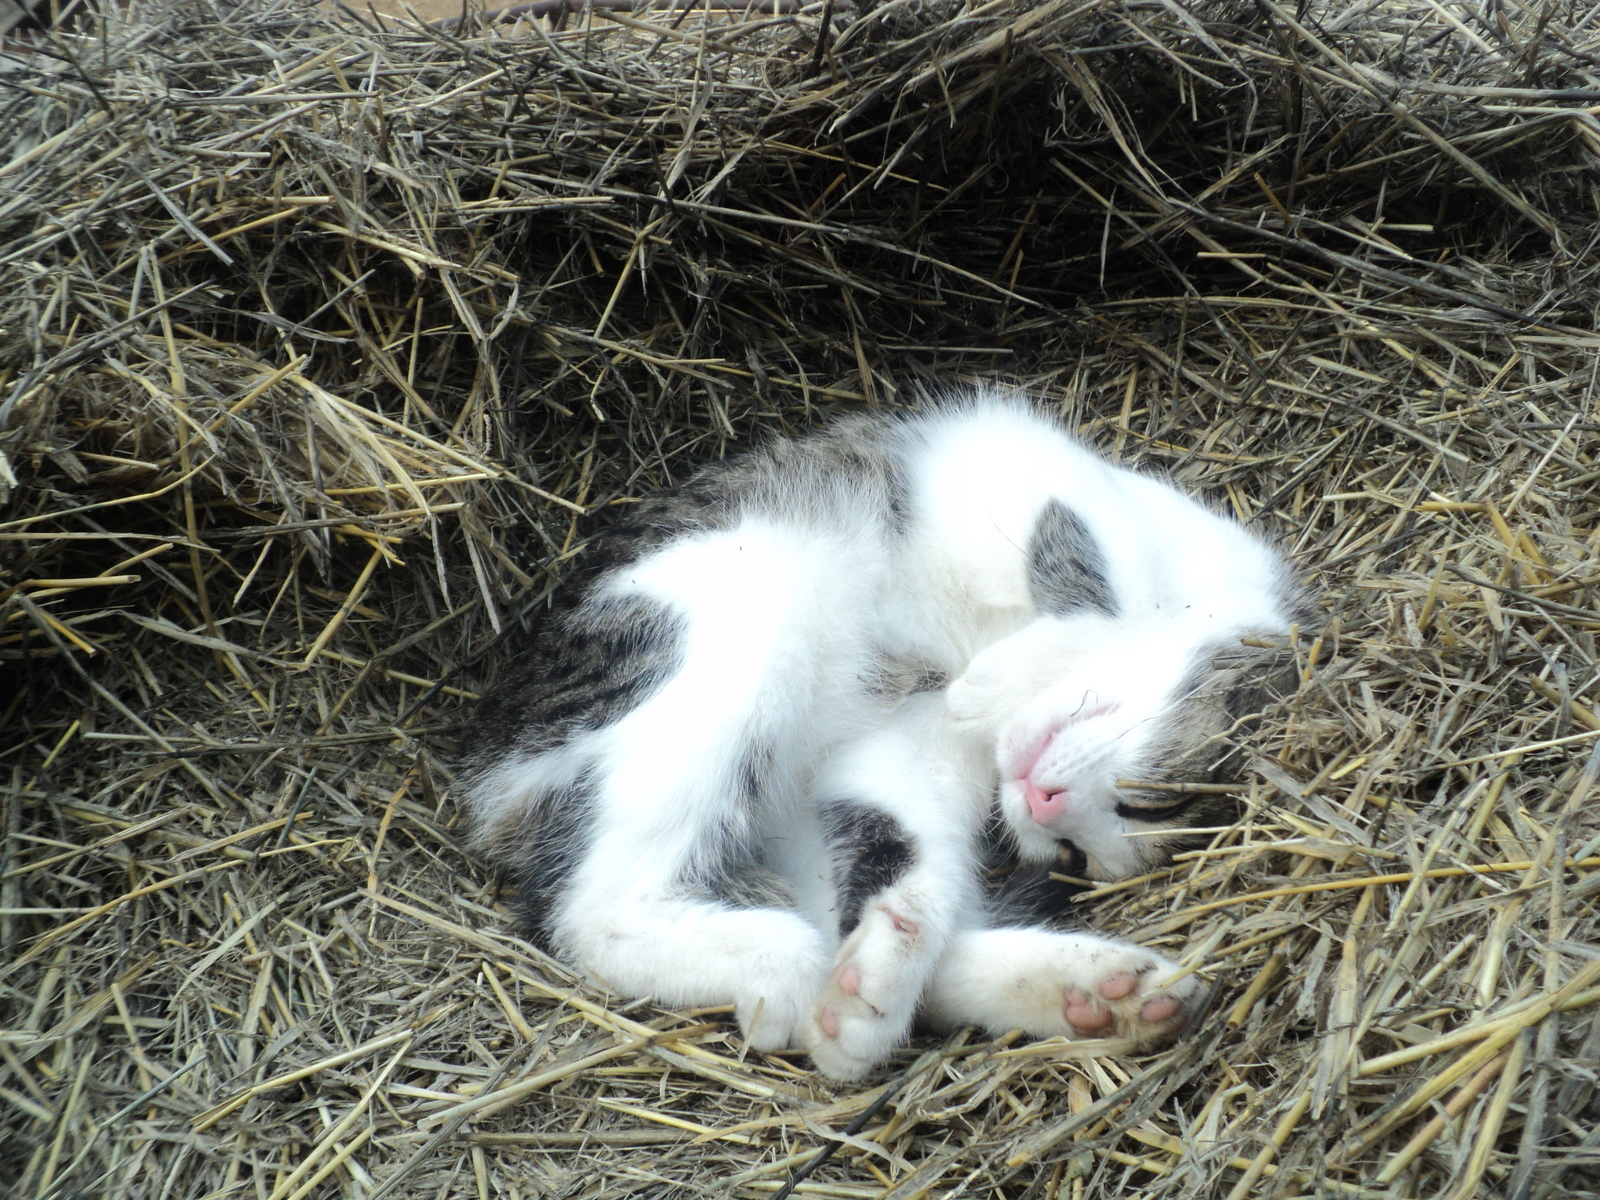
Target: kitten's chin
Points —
{"points": [[1095, 868], [1035, 845], [1112, 862]]}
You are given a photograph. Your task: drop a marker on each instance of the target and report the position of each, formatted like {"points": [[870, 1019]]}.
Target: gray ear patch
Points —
{"points": [[1066, 570]]}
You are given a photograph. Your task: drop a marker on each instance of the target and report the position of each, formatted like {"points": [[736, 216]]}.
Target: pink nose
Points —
{"points": [[1045, 806]]}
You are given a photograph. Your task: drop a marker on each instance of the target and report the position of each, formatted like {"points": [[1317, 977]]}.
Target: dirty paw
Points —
{"points": [[1148, 1006]]}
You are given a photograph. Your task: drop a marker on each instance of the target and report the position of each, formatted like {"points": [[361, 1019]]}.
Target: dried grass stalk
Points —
{"points": [[319, 340]]}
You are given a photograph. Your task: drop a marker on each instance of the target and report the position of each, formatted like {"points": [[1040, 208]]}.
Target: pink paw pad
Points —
{"points": [[1158, 1010], [902, 924], [828, 1022], [1118, 987], [850, 979], [1084, 1013]]}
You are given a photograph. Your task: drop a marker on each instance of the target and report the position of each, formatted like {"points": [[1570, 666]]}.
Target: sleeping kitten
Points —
{"points": [[752, 760]]}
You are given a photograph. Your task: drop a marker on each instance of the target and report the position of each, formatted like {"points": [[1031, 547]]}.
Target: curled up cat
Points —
{"points": [[762, 752]]}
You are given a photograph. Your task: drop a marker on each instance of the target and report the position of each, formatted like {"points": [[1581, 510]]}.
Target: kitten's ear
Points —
{"points": [[1066, 567], [1203, 735], [1257, 679]]}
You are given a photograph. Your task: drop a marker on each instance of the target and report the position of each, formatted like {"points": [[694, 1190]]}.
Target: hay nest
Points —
{"points": [[321, 336]]}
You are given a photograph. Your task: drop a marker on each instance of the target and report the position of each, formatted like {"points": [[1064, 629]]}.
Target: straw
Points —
{"points": [[289, 294]]}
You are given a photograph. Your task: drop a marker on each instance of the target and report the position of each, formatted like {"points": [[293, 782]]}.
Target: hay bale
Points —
{"points": [[320, 338]]}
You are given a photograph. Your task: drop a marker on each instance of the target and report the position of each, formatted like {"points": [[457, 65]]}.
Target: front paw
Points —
{"points": [[1006, 675], [1052, 984], [865, 1010], [1143, 1002], [982, 700], [970, 707]]}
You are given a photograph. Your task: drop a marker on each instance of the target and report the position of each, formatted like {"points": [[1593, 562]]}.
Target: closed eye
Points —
{"points": [[1157, 813]]}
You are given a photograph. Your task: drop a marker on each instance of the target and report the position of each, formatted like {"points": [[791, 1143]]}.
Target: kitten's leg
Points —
{"points": [[668, 897], [900, 813], [690, 946], [1050, 984]]}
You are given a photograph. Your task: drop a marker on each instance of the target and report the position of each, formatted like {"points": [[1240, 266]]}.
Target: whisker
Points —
{"points": [[1218, 789], [1186, 831]]}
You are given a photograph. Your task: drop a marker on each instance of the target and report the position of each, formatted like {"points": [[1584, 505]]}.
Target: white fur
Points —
{"points": [[785, 616]]}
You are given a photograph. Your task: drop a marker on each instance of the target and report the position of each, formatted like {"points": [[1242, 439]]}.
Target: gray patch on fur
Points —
{"points": [[729, 866], [893, 679], [589, 668], [553, 840], [750, 885], [754, 774], [850, 468], [1066, 568], [1030, 895], [729, 869], [870, 849]]}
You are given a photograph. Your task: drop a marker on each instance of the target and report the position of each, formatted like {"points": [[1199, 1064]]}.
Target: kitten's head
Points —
{"points": [[1081, 714]]}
